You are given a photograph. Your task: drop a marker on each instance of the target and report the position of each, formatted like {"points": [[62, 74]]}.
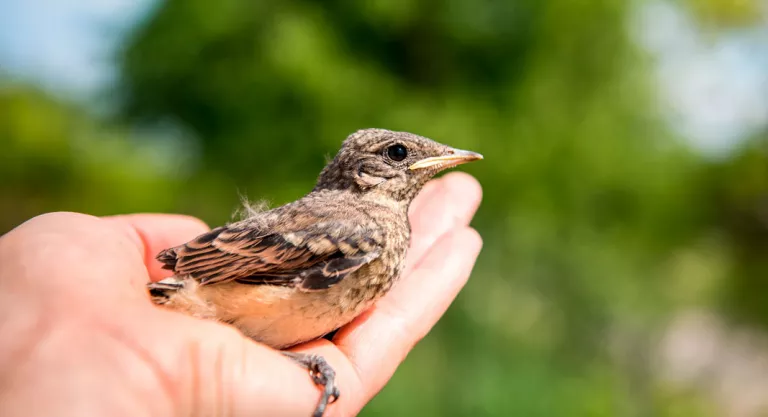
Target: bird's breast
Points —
{"points": [[285, 316], [282, 316]]}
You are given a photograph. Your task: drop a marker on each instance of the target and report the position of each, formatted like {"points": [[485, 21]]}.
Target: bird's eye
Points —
{"points": [[397, 152]]}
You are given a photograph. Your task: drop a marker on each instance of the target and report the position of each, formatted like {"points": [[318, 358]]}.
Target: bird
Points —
{"points": [[302, 270]]}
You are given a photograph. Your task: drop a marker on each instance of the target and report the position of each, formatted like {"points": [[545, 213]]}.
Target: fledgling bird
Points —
{"points": [[297, 272]]}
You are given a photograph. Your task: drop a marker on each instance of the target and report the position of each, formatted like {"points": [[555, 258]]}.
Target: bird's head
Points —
{"points": [[390, 164]]}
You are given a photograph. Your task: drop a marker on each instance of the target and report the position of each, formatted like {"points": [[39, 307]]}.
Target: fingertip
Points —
{"points": [[463, 184], [454, 252], [157, 232], [472, 237], [452, 202], [181, 224]]}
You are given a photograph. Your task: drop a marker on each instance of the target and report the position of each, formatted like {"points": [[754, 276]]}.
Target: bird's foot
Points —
{"points": [[322, 374]]}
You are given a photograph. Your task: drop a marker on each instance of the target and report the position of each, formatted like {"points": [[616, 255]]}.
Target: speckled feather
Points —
{"points": [[296, 272]]}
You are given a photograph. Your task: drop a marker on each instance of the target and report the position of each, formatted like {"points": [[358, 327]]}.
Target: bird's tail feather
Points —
{"points": [[162, 290]]}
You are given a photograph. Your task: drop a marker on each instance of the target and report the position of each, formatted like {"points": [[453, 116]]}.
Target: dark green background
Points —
{"points": [[600, 224]]}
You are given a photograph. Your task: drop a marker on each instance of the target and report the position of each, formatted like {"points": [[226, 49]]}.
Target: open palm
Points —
{"points": [[80, 336]]}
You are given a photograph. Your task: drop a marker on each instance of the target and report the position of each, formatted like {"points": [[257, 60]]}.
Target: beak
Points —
{"points": [[451, 158]]}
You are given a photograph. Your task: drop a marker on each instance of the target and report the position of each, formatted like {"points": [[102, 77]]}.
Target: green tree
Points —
{"points": [[56, 157], [599, 223], [588, 196]]}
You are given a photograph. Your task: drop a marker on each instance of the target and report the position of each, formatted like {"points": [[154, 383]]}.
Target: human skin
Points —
{"points": [[80, 336]]}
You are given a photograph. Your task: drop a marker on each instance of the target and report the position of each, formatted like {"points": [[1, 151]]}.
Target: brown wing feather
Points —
{"points": [[314, 259]]}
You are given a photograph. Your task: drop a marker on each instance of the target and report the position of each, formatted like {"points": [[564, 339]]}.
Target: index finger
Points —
{"points": [[443, 204], [156, 232]]}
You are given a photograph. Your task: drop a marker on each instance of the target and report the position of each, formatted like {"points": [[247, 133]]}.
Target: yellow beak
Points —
{"points": [[450, 159]]}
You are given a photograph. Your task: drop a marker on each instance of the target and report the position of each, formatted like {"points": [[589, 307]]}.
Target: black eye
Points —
{"points": [[397, 152]]}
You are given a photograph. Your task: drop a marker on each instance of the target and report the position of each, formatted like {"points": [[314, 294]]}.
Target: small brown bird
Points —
{"points": [[297, 272]]}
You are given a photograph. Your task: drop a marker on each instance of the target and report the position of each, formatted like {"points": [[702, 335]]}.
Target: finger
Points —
{"points": [[70, 258], [452, 201], [155, 232], [378, 341], [385, 336], [425, 195]]}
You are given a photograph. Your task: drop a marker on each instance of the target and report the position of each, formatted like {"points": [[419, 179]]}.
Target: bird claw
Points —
{"points": [[322, 374]]}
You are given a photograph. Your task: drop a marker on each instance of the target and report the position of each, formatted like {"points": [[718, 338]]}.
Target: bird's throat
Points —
{"points": [[386, 200]]}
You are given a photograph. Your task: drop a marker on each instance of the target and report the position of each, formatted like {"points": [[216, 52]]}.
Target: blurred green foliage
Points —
{"points": [[599, 224]]}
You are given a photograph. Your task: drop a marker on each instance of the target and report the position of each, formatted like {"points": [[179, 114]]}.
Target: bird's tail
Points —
{"points": [[161, 291]]}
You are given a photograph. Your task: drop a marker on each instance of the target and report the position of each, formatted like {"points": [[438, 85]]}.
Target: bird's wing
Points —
{"points": [[312, 259]]}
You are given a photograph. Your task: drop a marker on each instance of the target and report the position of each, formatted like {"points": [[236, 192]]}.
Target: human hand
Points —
{"points": [[81, 338]]}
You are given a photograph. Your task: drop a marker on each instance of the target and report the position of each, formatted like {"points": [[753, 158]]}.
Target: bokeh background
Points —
{"points": [[625, 218]]}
